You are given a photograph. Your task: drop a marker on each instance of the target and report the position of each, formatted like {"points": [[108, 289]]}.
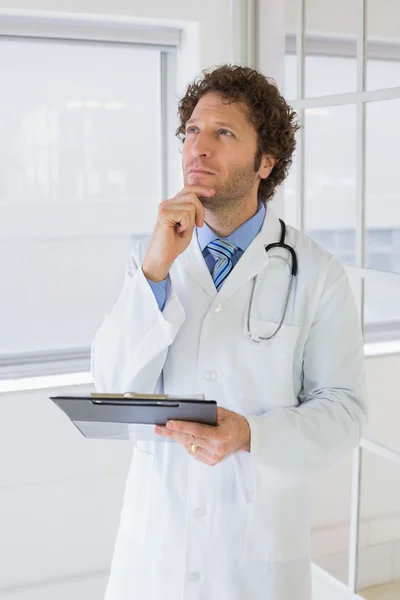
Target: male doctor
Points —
{"points": [[222, 513]]}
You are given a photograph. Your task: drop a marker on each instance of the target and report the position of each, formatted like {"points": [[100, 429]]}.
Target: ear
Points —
{"points": [[267, 164]]}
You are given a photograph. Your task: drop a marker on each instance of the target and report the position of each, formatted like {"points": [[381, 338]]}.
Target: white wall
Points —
{"points": [[60, 497], [380, 492]]}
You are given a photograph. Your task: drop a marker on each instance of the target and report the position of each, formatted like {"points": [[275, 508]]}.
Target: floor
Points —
{"points": [[388, 591]]}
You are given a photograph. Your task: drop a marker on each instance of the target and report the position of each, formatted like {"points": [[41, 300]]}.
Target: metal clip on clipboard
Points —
{"points": [[135, 395], [135, 399]]}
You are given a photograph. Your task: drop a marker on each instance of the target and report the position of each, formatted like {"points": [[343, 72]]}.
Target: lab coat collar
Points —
{"points": [[251, 263], [241, 237]]}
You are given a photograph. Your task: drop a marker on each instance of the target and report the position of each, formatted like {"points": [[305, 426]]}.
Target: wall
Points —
{"points": [[380, 491], [60, 497]]}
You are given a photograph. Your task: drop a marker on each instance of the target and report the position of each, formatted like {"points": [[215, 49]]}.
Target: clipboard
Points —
{"points": [[132, 415]]}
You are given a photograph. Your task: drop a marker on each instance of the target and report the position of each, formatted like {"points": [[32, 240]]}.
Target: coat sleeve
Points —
{"points": [[332, 413], [130, 348]]}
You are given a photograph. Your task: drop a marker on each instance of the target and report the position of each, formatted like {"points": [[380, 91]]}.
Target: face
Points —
{"points": [[219, 151]]}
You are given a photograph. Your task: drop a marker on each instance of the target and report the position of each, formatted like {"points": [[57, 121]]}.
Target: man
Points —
{"points": [[222, 513]]}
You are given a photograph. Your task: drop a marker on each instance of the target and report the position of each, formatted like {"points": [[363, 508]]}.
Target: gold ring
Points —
{"points": [[194, 448]]}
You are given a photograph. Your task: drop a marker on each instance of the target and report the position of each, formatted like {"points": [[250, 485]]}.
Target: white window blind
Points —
{"points": [[81, 176]]}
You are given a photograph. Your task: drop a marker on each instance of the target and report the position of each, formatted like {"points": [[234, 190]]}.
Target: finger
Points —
{"points": [[181, 438], [222, 413], [186, 204], [196, 429], [184, 221], [193, 203], [198, 190], [186, 440], [193, 193], [177, 213], [164, 432], [203, 456]]}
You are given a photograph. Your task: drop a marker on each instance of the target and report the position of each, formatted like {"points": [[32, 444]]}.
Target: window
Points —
{"points": [[343, 78], [327, 203], [81, 175]]}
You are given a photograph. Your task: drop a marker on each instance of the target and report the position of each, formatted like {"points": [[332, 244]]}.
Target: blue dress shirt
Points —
{"points": [[241, 237]]}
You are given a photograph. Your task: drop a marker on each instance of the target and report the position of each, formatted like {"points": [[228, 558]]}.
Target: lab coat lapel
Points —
{"points": [[252, 262], [193, 262]]}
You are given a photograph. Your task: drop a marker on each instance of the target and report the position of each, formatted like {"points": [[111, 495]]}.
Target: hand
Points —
{"points": [[231, 435], [174, 229]]}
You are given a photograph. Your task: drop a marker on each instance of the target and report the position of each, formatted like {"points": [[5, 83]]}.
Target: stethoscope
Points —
{"points": [[280, 244]]}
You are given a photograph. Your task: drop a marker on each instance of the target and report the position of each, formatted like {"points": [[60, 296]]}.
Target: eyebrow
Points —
{"points": [[219, 123]]}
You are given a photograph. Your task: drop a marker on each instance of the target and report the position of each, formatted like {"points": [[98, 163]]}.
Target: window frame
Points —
{"points": [[301, 43], [140, 33]]}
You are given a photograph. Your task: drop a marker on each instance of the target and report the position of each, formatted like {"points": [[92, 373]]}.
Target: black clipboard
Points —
{"points": [[127, 416]]}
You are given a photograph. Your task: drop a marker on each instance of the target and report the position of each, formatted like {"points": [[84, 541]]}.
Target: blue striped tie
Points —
{"points": [[223, 252]]}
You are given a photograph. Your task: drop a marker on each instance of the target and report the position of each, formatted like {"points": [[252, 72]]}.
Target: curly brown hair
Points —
{"points": [[274, 120]]}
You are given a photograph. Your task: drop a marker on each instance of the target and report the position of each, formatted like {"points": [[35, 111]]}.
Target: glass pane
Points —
{"points": [[331, 519], [383, 45], [80, 173], [383, 404], [66, 288], [330, 179], [331, 48], [75, 126], [382, 306], [383, 186], [379, 545], [382, 337]]}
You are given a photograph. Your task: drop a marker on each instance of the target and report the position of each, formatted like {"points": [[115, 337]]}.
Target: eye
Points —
{"points": [[225, 132], [191, 129]]}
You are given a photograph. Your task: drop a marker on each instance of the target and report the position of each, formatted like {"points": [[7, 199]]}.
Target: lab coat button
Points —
{"points": [[199, 512], [218, 308], [194, 576]]}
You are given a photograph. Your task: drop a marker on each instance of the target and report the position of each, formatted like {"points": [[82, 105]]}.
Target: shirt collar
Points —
{"points": [[241, 237]]}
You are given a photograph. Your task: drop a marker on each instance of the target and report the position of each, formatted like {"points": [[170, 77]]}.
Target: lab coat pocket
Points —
{"points": [[137, 497], [269, 366], [278, 525], [244, 475]]}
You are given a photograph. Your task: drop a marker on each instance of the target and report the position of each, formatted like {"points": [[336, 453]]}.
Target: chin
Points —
{"points": [[207, 202]]}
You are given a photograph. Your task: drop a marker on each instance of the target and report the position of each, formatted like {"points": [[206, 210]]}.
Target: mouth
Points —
{"points": [[200, 172]]}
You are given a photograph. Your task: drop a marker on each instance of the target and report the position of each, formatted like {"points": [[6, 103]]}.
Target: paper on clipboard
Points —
{"points": [[119, 431]]}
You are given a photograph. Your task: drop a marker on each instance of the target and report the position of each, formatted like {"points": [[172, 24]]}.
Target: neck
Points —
{"points": [[225, 222]]}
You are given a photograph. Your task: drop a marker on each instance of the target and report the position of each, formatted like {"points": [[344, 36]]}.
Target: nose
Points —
{"points": [[201, 148]]}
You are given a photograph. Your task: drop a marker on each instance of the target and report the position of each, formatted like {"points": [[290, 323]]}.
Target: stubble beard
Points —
{"points": [[231, 194]]}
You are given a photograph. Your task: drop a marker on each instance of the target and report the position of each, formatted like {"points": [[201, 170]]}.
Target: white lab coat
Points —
{"points": [[239, 530]]}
